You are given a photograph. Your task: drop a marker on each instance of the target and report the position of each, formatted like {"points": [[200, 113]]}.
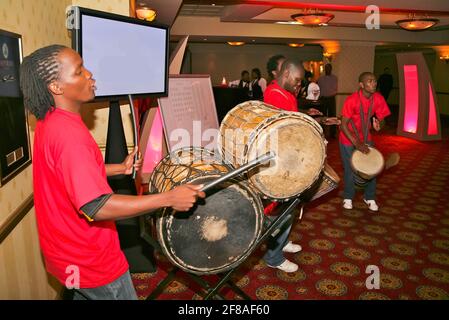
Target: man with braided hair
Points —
{"points": [[75, 207]]}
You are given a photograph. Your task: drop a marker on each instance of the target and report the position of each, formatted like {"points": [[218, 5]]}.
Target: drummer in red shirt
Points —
{"points": [[357, 111], [75, 207], [281, 93]]}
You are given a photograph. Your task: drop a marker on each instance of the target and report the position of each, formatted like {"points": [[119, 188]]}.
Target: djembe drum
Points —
{"points": [[220, 231], [254, 128], [366, 166]]}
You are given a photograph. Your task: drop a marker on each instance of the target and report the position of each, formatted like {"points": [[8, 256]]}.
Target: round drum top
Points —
{"points": [[216, 234], [300, 153], [369, 164]]}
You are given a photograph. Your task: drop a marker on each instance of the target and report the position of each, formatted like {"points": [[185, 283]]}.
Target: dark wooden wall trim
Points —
{"points": [[16, 217]]}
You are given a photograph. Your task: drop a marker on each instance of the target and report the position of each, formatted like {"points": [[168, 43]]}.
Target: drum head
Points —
{"points": [[217, 234], [369, 165], [300, 153]]}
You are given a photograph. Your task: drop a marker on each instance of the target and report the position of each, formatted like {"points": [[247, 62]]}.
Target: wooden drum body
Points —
{"points": [[254, 128], [329, 181], [221, 230]]}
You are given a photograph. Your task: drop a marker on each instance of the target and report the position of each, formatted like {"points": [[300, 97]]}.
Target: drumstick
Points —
{"points": [[250, 165]]}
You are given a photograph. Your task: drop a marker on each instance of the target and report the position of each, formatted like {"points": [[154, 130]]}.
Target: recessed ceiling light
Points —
{"points": [[236, 43], [287, 22], [296, 45]]}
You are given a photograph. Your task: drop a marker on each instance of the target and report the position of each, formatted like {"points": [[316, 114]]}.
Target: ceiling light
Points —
{"points": [[313, 19], [417, 24], [287, 22], [296, 45], [236, 43]]}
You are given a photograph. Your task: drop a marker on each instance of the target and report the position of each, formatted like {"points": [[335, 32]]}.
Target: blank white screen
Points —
{"points": [[124, 58]]}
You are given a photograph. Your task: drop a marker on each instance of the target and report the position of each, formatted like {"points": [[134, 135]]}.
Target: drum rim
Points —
{"points": [[222, 162]]}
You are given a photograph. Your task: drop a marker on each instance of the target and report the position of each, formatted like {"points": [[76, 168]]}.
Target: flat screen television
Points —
{"points": [[125, 55]]}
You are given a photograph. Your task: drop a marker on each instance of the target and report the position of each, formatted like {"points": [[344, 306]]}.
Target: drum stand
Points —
{"points": [[271, 228]]}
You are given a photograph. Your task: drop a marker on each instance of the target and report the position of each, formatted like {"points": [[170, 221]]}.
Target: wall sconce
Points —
{"points": [[146, 13], [445, 58], [328, 56]]}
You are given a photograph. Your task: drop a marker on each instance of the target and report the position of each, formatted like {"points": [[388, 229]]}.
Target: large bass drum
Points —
{"points": [[254, 128], [221, 231]]}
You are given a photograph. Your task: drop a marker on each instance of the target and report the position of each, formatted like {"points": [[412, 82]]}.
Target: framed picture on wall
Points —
{"points": [[14, 142]]}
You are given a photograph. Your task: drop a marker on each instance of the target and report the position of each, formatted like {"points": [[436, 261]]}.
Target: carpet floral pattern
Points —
{"points": [[407, 240]]}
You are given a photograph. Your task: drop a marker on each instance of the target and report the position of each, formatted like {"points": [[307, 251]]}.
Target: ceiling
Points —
{"points": [[349, 13], [225, 20]]}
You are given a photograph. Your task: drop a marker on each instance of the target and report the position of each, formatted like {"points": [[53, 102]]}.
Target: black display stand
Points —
{"points": [[270, 227], [137, 251]]}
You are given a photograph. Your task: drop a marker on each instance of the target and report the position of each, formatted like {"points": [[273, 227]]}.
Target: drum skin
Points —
{"points": [[366, 166], [220, 232], [254, 128]]}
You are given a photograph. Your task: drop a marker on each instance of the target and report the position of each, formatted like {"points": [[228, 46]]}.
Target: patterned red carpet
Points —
{"points": [[408, 239]]}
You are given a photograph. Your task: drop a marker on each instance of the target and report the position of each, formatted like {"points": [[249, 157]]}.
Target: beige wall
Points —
{"points": [[41, 23], [22, 274], [22, 271]]}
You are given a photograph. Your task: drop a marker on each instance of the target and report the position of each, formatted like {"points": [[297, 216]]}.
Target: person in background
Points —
{"points": [[355, 124], [385, 83], [75, 207], [258, 84], [328, 84], [243, 82], [305, 84], [313, 91]]}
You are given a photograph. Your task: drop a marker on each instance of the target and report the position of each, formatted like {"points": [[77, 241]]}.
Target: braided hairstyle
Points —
{"points": [[37, 71]]}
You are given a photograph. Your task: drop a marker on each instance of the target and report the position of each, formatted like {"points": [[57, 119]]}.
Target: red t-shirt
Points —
{"points": [[68, 172], [280, 98], [351, 110]]}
